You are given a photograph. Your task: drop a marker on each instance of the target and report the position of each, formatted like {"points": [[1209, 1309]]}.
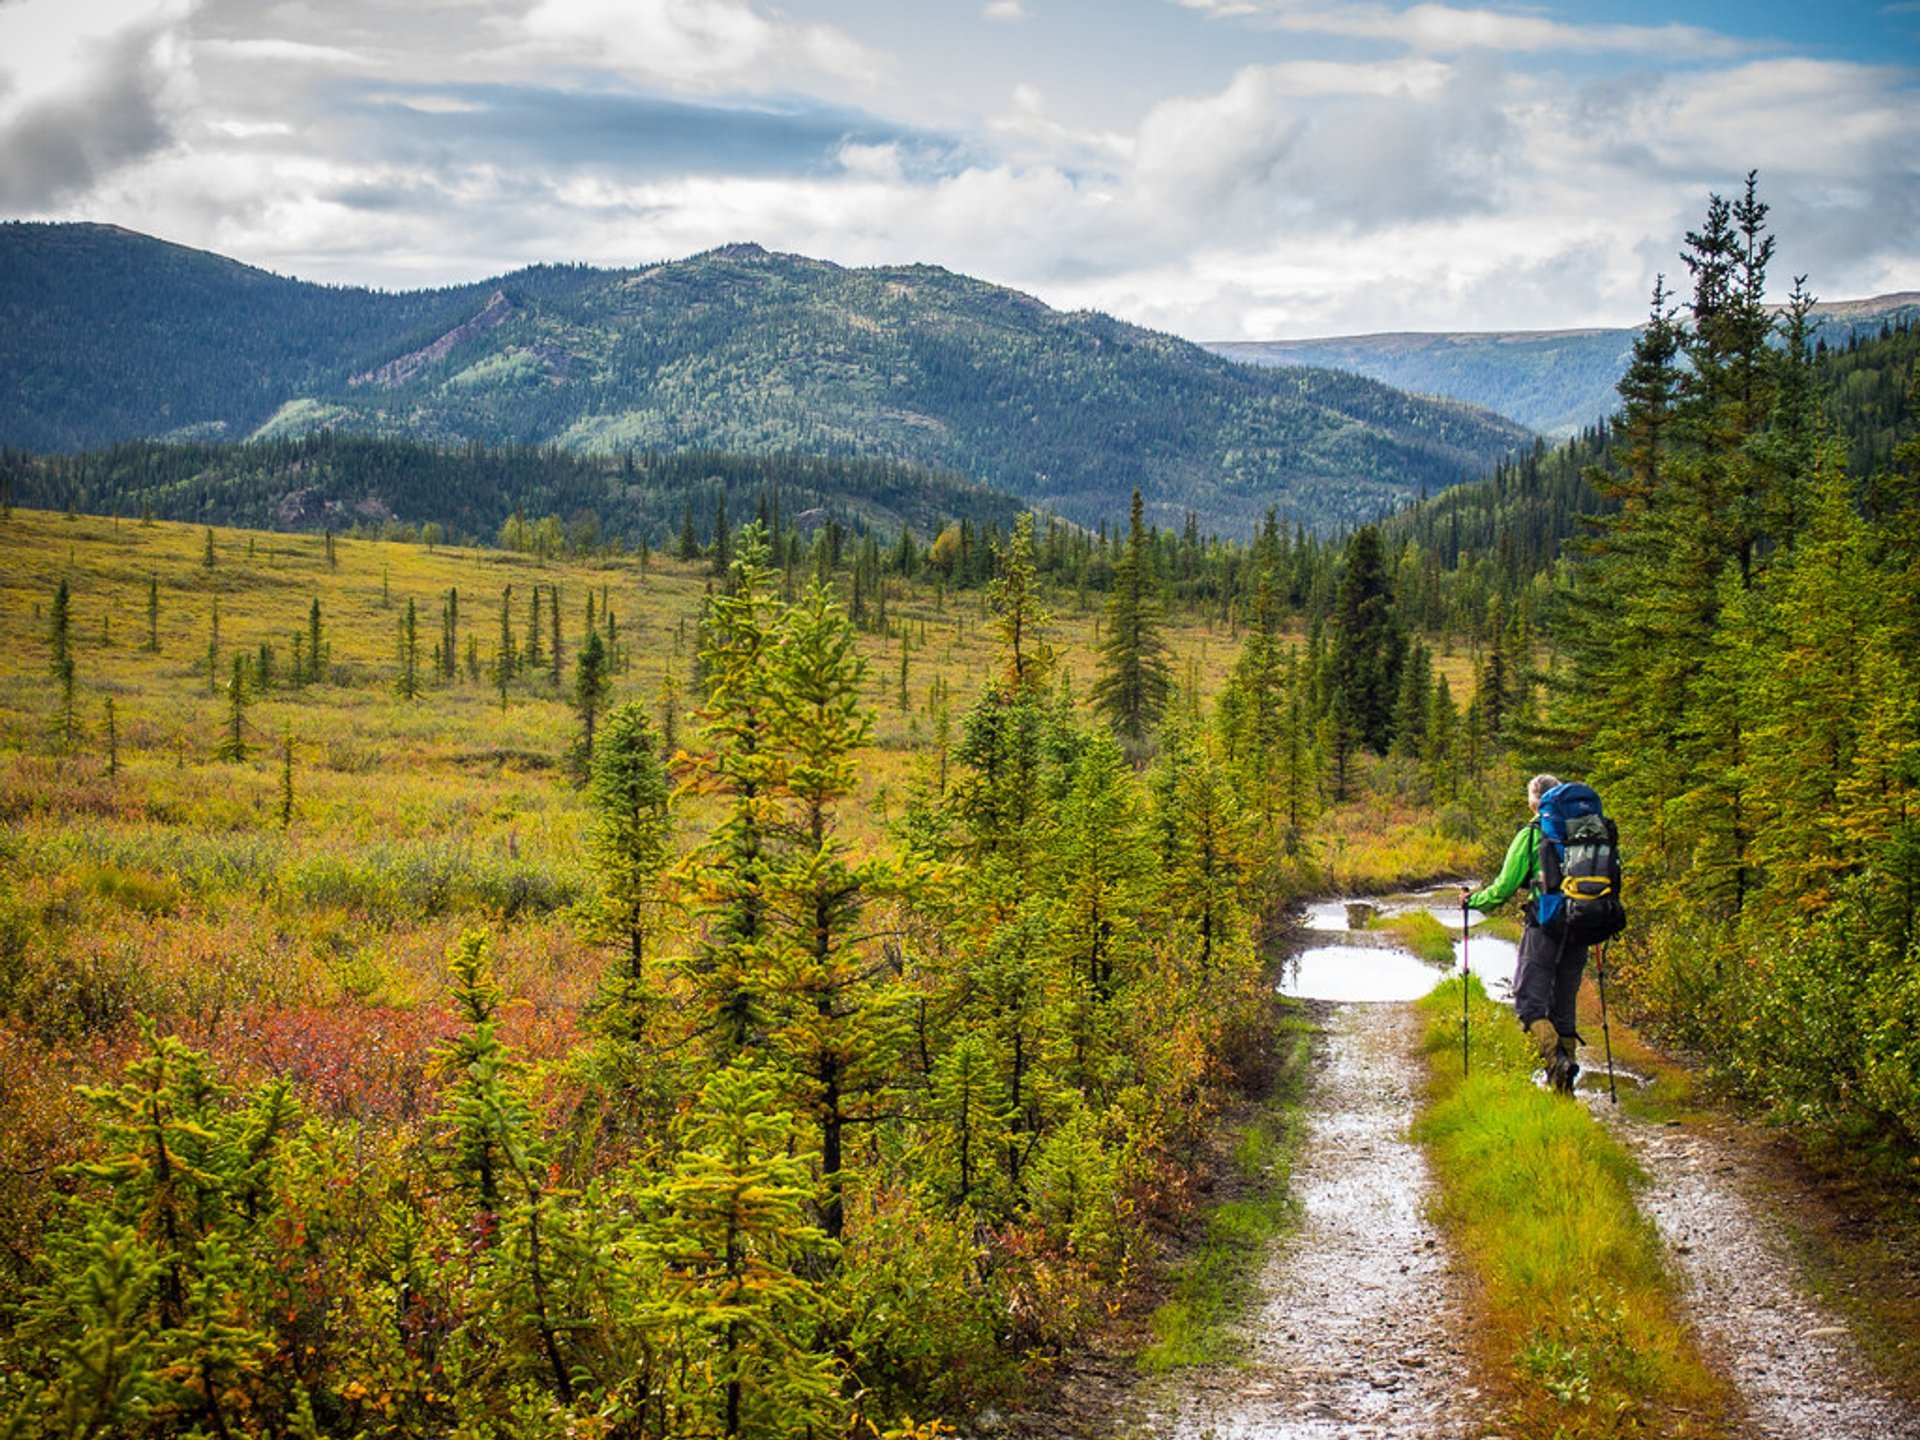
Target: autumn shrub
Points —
{"points": [[916, 1310], [1823, 1010], [1054, 1297], [422, 879], [140, 891], [148, 1315], [45, 1130], [67, 986]]}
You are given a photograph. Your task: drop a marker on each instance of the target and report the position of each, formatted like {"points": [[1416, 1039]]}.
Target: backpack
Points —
{"points": [[1579, 868]]}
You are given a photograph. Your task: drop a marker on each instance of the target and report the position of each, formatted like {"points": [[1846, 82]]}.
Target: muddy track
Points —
{"points": [[1355, 1331], [1792, 1361]]}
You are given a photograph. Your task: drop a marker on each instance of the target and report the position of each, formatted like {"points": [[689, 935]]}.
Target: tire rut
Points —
{"points": [[1356, 1333], [1793, 1362]]}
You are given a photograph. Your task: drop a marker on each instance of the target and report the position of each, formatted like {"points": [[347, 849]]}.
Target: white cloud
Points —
{"points": [[51, 49], [248, 129], [427, 104], [1004, 10], [1450, 30], [1442, 185], [1269, 154], [692, 45], [271, 51], [1028, 134], [83, 95]]}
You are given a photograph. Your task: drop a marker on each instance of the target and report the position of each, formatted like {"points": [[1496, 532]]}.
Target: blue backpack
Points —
{"points": [[1579, 868]]}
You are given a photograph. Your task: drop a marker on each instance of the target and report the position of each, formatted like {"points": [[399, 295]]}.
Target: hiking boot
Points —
{"points": [[1545, 1039], [1568, 1065]]}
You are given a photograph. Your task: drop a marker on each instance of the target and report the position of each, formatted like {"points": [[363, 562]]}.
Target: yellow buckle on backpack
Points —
{"points": [[1586, 887]]}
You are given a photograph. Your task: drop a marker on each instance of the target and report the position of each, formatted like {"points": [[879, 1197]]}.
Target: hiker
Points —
{"points": [[1546, 981]]}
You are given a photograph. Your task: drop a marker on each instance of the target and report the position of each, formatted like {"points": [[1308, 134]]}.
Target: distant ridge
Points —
{"points": [[114, 336], [1557, 382]]}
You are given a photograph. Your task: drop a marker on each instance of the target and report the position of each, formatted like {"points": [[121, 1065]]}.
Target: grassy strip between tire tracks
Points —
{"points": [[1198, 1324], [1576, 1320]]}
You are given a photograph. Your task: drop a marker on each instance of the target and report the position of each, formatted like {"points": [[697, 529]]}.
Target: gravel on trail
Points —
{"points": [[1356, 1333], [1793, 1363]]}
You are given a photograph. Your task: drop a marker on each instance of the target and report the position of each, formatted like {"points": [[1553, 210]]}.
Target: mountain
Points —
{"points": [[1557, 382], [111, 336]]}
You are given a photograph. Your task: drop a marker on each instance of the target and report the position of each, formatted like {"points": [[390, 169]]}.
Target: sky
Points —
{"points": [[1221, 169]]}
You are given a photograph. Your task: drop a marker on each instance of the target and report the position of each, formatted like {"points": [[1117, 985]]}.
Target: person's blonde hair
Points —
{"points": [[1539, 786]]}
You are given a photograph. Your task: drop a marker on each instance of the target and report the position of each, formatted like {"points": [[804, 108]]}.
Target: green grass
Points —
{"points": [[1578, 1321], [1198, 1323], [1421, 934]]}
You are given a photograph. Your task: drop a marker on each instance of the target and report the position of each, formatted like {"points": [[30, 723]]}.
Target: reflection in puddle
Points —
{"points": [[1493, 961], [1356, 972], [1381, 972], [1442, 902]]}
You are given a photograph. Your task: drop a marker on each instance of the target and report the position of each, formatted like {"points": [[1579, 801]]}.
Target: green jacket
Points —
{"points": [[1522, 867]]}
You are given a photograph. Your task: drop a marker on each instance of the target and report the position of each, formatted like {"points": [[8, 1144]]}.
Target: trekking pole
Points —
{"points": [[1605, 1034], [1466, 1014]]}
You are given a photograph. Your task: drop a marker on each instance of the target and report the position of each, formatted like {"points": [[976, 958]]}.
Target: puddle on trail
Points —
{"points": [[1372, 968], [1493, 960], [1357, 972], [1346, 913]]}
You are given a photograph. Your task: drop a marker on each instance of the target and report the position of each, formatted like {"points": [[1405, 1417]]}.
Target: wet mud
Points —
{"points": [[1792, 1361], [1355, 1335]]}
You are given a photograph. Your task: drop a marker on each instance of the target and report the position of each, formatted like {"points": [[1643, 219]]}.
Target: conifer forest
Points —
{"points": [[698, 944]]}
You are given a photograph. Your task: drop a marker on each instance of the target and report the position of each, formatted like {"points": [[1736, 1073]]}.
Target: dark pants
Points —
{"points": [[1546, 982]]}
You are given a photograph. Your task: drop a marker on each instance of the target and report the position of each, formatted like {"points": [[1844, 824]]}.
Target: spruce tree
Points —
{"points": [[1135, 670], [532, 657], [409, 682], [1020, 618], [689, 548], [497, 1157], [450, 635], [739, 763], [591, 685], [730, 1230], [833, 1030], [233, 744], [629, 841], [60, 630], [316, 667], [1363, 661], [722, 548]]}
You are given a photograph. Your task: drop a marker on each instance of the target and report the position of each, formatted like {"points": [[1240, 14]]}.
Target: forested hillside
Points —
{"points": [[1554, 382], [1518, 521], [107, 335], [735, 350], [341, 481]]}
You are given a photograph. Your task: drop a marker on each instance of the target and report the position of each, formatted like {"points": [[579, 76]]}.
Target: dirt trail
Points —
{"points": [[1356, 1335], [1357, 1331], [1793, 1362]]}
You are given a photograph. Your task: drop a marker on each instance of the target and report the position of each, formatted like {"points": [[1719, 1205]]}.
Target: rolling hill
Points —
{"points": [[110, 336]]}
